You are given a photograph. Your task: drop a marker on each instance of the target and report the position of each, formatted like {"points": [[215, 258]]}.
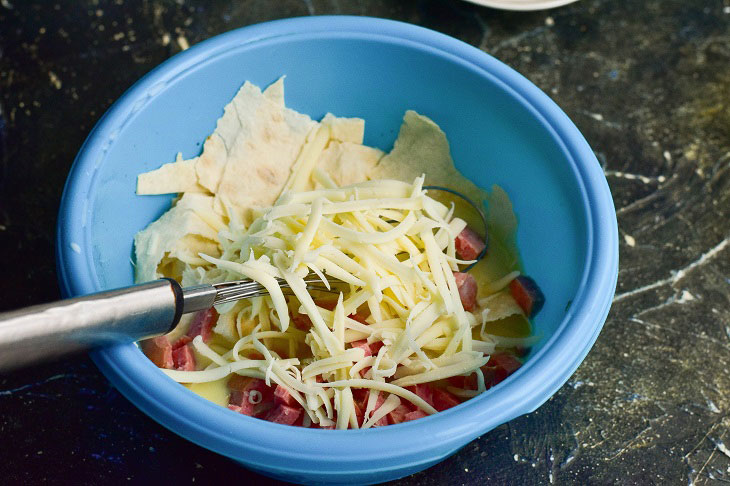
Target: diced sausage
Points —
{"points": [[238, 399], [465, 382], [399, 414], [238, 382], [261, 409], [499, 367], [203, 323], [424, 391], [383, 420], [527, 295], [361, 406], [505, 361], [469, 244], [467, 286], [360, 394], [490, 376], [362, 344], [241, 388], [283, 414], [443, 400], [181, 342], [238, 409], [375, 346], [359, 414], [159, 351], [282, 396], [267, 392], [416, 414], [239, 402], [183, 358], [359, 318], [302, 322], [330, 305]]}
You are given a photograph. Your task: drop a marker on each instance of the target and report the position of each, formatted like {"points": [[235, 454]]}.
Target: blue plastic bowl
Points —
{"points": [[502, 130]]}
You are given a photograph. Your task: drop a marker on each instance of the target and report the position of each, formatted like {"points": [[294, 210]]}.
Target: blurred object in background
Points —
{"points": [[522, 4]]}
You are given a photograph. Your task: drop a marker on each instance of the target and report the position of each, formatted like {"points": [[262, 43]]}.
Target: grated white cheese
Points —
{"points": [[393, 246]]}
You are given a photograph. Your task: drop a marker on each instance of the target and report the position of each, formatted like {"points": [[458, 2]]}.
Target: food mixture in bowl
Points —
{"points": [[396, 328]]}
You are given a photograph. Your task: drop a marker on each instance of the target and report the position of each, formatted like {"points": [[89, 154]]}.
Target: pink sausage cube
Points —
{"points": [[282, 396], [361, 406], [362, 344], [399, 414], [527, 295], [467, 286], [424, 391], [241, 394], [443, 400], [184, 358], [469, 244], [416, 414], [159, 351], [181, 342], [283, 414], [239, 402], [203, 323]]}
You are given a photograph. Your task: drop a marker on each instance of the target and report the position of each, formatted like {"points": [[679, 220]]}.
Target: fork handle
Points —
{"points": [[43, 332]]}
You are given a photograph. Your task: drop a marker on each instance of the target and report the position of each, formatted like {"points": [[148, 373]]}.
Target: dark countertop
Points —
{"points": [[648, 83]]}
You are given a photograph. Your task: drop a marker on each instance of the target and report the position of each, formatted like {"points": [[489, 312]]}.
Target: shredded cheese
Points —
{"points": [[393, 246]]}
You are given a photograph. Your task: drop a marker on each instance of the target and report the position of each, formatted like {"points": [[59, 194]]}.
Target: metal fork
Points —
{"points": [[43, 332]]}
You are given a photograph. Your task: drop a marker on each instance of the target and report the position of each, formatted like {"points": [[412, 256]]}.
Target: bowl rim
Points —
{"points": [[226, 432]]}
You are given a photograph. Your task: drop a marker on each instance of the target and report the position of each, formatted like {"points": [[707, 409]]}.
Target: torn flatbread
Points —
{"points": [[254, 144], [175, 177], [422, 148], [348, 163], [345, 129], [176, 239]]}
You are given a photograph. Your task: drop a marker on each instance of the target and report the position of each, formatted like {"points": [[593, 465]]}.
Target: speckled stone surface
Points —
{"points": [[647, 82]]}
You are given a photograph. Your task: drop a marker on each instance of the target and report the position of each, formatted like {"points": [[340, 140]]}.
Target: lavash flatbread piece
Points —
{"points": [[249, 157], [348, 163], [181, 175], [422, 148], [175, 177], [345, 129], [183, 232]]}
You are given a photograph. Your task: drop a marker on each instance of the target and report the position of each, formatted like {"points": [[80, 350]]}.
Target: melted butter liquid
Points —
{"points": [[498, 262], [215, 391]]}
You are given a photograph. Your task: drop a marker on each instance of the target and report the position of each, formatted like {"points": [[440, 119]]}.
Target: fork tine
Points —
{"points": [[246, 289]]}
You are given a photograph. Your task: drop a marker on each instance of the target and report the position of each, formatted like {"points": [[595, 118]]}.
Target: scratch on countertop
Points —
{"points": [[31, 385], [721, 446], [635, 177], [676, 275], [678, 331], [681, 297]]}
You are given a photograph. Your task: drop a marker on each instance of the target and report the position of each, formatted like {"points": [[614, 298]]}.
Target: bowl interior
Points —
{"points": [[494, 137], [502, 130]]}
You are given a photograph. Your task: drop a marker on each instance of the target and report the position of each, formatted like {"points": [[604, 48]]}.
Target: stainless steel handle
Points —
{"points": [[47, 331]]}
